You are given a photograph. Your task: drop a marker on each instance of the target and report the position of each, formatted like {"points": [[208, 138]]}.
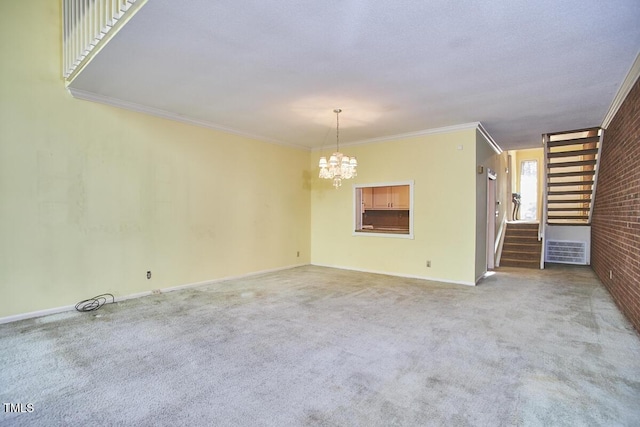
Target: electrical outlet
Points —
{"points": [[298, 255], [428, 263], [148, 274]]}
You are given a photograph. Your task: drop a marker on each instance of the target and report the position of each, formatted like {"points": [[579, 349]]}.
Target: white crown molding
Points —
{"points": [[131, 106], [623, 91], [101, 99], [434, 131], [490, 139]]}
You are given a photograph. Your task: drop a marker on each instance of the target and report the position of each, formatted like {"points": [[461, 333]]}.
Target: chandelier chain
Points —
{"points": [[338, 130]]}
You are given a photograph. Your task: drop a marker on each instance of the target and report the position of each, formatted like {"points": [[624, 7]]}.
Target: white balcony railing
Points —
{"points": [[85, 25]]}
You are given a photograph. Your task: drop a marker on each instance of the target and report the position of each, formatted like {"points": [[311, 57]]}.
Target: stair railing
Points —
{"points": [[542, 227], [595, 176], [502, 231]]}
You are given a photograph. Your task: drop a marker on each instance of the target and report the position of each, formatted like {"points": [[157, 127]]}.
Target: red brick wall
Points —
{"points": [[615, 232]]}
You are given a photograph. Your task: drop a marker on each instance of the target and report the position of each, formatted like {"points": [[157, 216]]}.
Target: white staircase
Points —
{"points": [[571, 175]]}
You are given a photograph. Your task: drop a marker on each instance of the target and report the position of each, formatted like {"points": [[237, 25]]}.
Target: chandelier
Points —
{"points": [[339, 166]]}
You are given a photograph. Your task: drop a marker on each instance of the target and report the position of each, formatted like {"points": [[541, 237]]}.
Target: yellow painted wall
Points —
{"points": [[444, 209], [94, 196]]}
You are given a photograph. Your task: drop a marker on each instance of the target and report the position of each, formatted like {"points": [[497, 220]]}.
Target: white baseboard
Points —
{"points": [[38, 313], [408, 276], [56, 310], [222, 279]]}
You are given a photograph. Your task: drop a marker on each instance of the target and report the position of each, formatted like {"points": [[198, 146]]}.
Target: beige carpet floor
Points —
{"points": [[325, 347]]}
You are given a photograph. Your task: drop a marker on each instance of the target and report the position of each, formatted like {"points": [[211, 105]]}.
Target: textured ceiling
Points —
{"points": [[276, 70]]}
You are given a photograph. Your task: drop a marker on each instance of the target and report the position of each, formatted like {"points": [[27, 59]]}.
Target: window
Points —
{"points": [[529, 189], [384, 210]]}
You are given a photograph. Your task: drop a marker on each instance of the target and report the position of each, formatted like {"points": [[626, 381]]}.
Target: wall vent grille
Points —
{"points": [[566, 252]]}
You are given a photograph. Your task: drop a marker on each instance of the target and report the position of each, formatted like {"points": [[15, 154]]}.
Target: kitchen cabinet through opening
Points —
{"points": [[384, 209]]}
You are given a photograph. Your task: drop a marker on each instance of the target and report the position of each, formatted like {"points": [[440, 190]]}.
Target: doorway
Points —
{"points": [[529, 190], [492, 216]]}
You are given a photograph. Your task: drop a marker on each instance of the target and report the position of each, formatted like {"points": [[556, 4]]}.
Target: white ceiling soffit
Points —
{"points": [[276, 70]]}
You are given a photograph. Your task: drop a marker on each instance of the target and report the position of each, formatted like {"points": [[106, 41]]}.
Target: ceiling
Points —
{"points": [[276, 70]]}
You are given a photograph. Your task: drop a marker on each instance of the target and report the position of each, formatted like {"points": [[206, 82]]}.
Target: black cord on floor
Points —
{"points": [[94, 303]]}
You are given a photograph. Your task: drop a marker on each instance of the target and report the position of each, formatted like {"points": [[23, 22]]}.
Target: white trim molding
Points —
{"points": [[66, 308], [408, 276], [138, 108], [434, 131], [132, 106], [39, 313], [623, 91], [489, 139], [356, 232]]}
